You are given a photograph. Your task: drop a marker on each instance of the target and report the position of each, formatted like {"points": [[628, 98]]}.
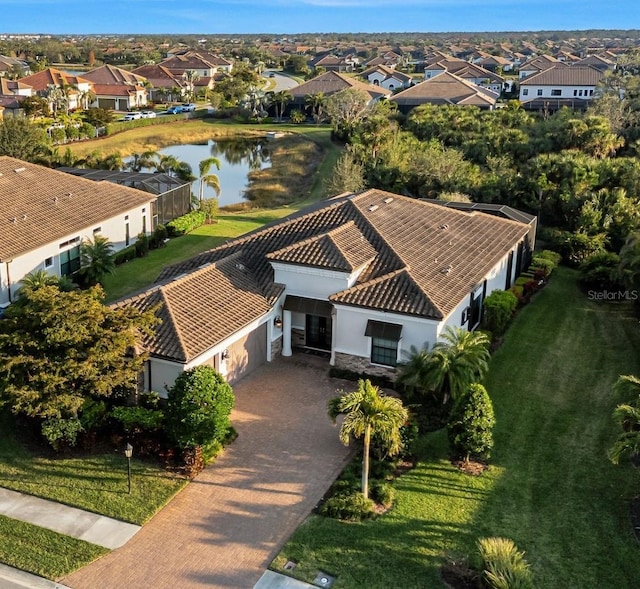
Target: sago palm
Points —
{"points": [[366, 413], [96, 259]]}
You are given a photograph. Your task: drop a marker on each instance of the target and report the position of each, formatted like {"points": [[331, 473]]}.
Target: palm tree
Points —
{"points": [[316, 103], [279, 100], [628, 417], [367, 413], [37, 279], [458, 360], [210, 180], [190, 78], [96, 259]]}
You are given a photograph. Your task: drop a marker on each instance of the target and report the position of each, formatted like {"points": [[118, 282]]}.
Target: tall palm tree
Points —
{"points": [[279, 100], [96, 259], [210, 180], [315, 102], [190, 78], [368, 413]]}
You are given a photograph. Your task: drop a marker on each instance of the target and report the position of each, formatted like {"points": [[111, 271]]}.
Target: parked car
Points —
{"points": [[132, 116], [148, 114], [175, 110], [190, 107]]}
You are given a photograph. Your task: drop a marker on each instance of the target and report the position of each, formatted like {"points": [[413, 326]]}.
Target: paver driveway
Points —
{"points": [[227, 525]]}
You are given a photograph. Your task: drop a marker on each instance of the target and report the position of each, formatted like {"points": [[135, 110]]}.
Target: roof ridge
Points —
{"points": [[174, 324]]}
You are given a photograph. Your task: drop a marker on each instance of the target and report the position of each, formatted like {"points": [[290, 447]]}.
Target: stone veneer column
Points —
{"points": [[286, 333]]}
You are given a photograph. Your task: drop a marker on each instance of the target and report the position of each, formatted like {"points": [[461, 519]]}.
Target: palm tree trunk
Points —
{"points": [[365, 462]]}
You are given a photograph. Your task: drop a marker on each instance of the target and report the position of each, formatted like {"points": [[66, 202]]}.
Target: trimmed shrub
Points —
{"points": [[157, 237], [499, 307], [186, 223], [383, 493], [142, 245], [470, 428], [61, 432], [135, 420], [555, 257], [543, 264], [198, 408], [348, 507], [600, 271], [504, 566], [124, 255]]}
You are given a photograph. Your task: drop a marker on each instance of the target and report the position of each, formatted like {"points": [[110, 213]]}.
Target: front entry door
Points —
{"points": [[318, 332]]}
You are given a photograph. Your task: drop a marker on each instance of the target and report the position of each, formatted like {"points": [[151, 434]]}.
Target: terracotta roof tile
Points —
{"points": [[40, 205]]}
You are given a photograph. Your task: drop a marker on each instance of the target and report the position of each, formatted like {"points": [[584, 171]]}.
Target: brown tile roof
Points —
{"points": [[159, 76], [565, 76], [202, 308], [420, 259], [40, 205], [444, 88], [332, 82], [51, 76], [111, 75]]}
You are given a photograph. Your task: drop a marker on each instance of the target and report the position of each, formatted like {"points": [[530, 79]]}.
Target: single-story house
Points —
{"points": [[445, 88], [173, 195], [386, 77], [46, 214], [358, 278]]}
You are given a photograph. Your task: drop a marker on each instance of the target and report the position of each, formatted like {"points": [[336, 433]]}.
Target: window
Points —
{"points": [[69, 242], [539, 91], [384, 351], [556, 92], [525, 92], [144, 224], [575, 93], [48, 262], [384, 342], [70, 261], [97, 230], [127, 238]]}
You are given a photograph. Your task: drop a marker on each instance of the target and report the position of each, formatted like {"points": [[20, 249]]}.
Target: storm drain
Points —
{"points": [[324, 580], [290, 565]]}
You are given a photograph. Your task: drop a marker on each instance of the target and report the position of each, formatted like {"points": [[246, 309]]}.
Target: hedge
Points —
{"points": [[186, 223]]}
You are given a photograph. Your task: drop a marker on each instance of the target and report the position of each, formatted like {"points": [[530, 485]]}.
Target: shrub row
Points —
{"points": [[186, 223], [142, 246]]}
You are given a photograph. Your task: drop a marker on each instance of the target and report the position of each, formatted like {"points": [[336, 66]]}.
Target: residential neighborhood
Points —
{"points": [[405, 355]]}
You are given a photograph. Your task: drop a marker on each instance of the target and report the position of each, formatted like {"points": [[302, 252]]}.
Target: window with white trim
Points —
{"points": [[384, 351]]}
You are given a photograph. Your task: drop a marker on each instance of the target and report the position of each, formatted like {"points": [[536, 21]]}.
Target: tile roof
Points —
{"points": [[565, 76], [40, 81], [202, 308], [40, 205], [111, 75], [445, 88], [419, 259], [332, 82]]}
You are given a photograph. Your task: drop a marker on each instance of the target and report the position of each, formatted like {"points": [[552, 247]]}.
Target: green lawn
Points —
{"points": [[43, 552], [96, 483], [550, 487], [137, 274]]}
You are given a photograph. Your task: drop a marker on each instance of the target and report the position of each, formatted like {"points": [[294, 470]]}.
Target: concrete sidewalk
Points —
{"points": [[272, 580], [11, 578], [84, 525]]}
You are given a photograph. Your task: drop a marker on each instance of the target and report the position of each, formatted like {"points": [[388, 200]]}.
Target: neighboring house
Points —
{"points": [[11, 65], [208, 67], [46, 214], [173, 195], [386, 77], [359, 278], [445, 88], [467, 71], [538, 64], [165, 85], [330, 83], [493, 63], [12, 93], [559, 86], [76, 89], [117, 89], [600, 63], [333, 63]]}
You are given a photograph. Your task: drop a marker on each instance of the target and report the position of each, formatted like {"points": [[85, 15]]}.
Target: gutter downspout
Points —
{"points": [[8, 279]]}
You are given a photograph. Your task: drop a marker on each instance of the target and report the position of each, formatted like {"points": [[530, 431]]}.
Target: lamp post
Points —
{"points": [[128, 451]]}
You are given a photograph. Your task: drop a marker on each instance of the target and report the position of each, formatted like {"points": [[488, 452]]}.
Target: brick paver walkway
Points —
{"points": [[224, 529]]}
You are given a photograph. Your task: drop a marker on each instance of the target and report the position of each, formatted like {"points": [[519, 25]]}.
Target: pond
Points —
{"points": [[237, 158]]}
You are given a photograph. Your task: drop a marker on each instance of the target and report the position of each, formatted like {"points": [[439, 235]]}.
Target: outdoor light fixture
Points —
{"points": [[225, 354], [278, 322], [128, 452]]}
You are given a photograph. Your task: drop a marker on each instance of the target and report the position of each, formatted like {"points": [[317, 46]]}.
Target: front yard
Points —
{"points": [[550, 488]]}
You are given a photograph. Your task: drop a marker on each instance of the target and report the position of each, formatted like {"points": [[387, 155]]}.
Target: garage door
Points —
{"points": [[247, 353]]}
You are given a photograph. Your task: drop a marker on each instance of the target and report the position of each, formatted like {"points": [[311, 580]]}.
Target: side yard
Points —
{"points": [[550, 488]]}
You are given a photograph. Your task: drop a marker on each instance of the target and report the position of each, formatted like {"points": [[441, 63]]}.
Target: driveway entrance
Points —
{"points": [[225, 527]]}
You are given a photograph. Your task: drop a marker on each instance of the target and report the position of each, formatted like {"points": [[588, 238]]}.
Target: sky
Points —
{"points": [[281, 17]]}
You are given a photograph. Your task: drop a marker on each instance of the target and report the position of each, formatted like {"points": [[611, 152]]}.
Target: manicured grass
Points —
{"points": [[137, 274], [43, 552], [96, 482], [550, 487]]}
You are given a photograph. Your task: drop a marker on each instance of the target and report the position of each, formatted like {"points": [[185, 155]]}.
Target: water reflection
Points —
{"points": [[237, 158]]}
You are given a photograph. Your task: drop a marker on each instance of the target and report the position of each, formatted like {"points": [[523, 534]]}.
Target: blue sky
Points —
{"points": [[305, 16]]}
